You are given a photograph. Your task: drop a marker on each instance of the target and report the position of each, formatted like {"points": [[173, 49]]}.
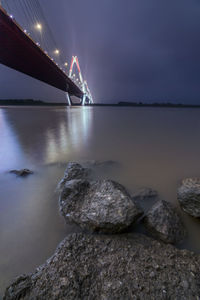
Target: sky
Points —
{"points": [[129, 50]]}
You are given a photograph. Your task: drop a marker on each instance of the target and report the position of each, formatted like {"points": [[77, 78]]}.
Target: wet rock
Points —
{"points": [[189, 196], [99, 163], [144, 194], [111, 267], [164, 223], [73, 171], [146, 197], [102, 205], [21, 173]]}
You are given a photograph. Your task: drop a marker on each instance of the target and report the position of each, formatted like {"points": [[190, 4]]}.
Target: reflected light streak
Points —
{"points": [[80, 122], [72, 135], [10, 151]]}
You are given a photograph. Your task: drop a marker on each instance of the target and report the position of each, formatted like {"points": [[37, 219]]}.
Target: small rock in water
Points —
{"points": [[22, 173], [189, 196], [98, 163], [103, 205], [144, 194], [164, 223], [146, 197]]}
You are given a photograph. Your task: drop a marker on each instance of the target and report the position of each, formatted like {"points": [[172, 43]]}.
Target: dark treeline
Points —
{"points": [[141, 104], [27, 102], [119, 104]]}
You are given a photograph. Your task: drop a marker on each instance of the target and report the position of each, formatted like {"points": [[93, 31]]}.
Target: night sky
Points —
{"points": [[129, 50]]}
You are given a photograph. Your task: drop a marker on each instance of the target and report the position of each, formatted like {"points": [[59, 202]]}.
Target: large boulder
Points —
{"points": [[189, 196], [114, 268], [102, 205], [73, 171], [164, 223]]}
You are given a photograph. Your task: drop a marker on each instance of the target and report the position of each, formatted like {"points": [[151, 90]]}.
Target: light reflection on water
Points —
{"points": [[155, 148]]}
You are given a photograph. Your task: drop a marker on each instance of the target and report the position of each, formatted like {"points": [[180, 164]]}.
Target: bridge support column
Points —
{"points": [[68, 99], [84, 99]]}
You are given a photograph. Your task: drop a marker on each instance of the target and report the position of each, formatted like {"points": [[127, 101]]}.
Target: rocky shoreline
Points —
{"points": [[106, 261]]}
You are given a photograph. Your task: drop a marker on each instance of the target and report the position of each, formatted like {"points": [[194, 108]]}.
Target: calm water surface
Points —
{"points": [[154, 147]]}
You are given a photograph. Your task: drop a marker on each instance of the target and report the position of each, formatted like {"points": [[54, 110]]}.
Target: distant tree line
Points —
{"points": [[26, 102], [119, 104]]}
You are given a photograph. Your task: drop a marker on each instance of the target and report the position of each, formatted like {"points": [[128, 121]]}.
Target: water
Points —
{"points": [[155, 147]]}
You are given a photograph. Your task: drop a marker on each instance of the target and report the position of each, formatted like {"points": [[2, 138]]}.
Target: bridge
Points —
{"points": [[20, 52]]}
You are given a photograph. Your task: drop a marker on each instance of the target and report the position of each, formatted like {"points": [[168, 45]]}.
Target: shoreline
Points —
{"points": [[99, 105]]}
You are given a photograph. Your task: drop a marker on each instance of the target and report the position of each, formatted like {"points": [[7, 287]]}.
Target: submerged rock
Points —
{"points": [[102, 205], [164, 223], [99, 163], [144, 194], [22, 172], [189, 196], [117, 267], [146, 197], [73, 171]]}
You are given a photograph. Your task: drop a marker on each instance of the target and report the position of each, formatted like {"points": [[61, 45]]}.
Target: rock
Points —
{"points": [[111, 267], [189, 196], [22, 173], [102, 205], [146, 197], [73, 171], [164, 223], [144, 194], [99, 163]]}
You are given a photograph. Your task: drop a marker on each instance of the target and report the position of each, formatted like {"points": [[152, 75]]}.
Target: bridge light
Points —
{"points": [[38, 26], [57, 52], [66, 64]]}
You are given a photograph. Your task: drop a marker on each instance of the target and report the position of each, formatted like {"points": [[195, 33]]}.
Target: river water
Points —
{"points": [[153, 147]]}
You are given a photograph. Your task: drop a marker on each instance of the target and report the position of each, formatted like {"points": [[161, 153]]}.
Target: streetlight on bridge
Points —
{"points": [[38, 26], [57, 52]]}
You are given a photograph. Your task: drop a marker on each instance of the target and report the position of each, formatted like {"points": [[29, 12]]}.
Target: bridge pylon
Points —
{"points": [[87, 97], [68, 99]]}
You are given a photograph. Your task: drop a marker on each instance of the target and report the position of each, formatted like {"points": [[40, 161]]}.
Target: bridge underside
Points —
{"points": [[19, 51]]}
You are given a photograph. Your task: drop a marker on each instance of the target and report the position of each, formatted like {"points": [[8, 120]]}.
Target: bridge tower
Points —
{"points": [[87, 97]]}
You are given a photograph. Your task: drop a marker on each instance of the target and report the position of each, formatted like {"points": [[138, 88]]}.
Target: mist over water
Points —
{"points": [[153, 147]]}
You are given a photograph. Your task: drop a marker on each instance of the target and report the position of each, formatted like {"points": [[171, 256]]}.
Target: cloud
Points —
{"points": [[147, 49]]}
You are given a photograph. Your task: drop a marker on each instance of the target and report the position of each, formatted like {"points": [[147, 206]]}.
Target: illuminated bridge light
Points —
{"points": [[11, 16], [38, 26], [66, 64], [57, 52]]}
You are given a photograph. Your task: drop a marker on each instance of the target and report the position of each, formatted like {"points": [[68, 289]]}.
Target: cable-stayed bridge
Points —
{"points": [[21, 50]]}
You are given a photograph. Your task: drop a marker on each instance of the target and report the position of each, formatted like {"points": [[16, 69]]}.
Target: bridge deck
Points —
{"points": [[20, 52]]}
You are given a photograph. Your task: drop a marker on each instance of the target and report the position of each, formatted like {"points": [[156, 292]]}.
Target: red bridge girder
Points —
{"points": [[18, 51]]}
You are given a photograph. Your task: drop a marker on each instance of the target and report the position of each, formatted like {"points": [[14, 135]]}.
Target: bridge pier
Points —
{"points": [[84, 99], [68, 99], [70, 102]]}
